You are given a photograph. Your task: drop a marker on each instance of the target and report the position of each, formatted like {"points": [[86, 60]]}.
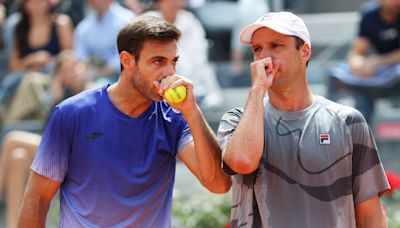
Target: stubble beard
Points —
{"points": [[143, 88]]}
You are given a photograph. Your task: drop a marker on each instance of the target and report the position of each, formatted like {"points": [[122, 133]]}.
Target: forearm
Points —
{"points": [[38, 194], [370, 214], [378, 221], [208, 154], [28, 62], [33, 214], [244, 149], [388, 59]]}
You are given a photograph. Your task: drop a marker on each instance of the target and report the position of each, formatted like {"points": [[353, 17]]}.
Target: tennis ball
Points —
{"points": [[175, 95]]}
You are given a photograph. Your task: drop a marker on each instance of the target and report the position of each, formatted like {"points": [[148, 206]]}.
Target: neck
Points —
{"points": [[127, 99], [103, 9], [170, 18], [37, 20], [291, 100], [389, 15]]}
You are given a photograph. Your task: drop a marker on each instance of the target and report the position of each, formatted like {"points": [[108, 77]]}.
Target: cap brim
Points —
{"points": [[247, 32]]}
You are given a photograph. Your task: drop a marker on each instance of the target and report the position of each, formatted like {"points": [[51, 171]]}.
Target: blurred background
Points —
{"points": [[67, 52]]}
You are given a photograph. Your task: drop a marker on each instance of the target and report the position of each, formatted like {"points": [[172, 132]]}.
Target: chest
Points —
{"points": [[113, 144], [309, 145], [39, 36]]}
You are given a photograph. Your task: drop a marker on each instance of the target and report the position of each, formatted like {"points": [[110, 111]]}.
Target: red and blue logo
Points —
{"points": [[324, 139]]}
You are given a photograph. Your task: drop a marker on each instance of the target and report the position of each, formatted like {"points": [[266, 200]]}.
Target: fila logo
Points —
{"points": [[267, 17], [324, 139]]}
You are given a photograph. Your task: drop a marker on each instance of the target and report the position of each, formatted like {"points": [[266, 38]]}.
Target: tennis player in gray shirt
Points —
{"points": [[296, 158]]}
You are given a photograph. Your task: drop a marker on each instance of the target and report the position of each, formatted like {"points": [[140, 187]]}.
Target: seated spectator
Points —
{"points": [[39, 93], [39, 36], [193, 51], [18, 148], [73, 8], [369, 76], [95, 39]]}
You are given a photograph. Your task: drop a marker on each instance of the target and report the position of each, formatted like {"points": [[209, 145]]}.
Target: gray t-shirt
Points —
{"points": [[316, 165]]}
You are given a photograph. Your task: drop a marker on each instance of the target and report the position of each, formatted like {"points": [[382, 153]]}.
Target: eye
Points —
{"points": [[158, 61], [275, 45], [256, 49], [174, 62]]}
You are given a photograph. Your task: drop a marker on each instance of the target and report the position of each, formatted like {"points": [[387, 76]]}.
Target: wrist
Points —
{"points": [[258, 91], [192, 115]]}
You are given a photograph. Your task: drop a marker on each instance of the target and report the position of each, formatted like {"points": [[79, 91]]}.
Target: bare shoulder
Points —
{"points": [[63, 20]]}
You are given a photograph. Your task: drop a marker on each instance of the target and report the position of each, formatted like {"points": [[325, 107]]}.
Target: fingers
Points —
{"points": [[268, 66], [271, 72], [172, 81], [264, 71], [183, 82]]}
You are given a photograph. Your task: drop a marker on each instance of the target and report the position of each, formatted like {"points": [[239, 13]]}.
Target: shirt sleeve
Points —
{"points": [[185, 134], [227, 126], [51, 159], [369, 178]]}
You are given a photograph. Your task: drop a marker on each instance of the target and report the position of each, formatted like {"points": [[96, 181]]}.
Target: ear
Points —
{"points": [[305, 52], [127, 60]]}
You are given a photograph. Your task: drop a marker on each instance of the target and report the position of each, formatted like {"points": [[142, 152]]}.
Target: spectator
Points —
{"points": [[367, 75], [39, 93], [18, 148], [193, 51], [101, 54], [39, 36]]}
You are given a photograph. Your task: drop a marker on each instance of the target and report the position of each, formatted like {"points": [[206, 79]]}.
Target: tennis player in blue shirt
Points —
{"points": [[112, 151]]}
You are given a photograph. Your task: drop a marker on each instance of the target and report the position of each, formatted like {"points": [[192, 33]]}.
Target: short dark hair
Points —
{"points": [[298, 43], [145, 28]]}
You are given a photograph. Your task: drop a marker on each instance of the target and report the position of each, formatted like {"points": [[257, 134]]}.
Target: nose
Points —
{"points": [[265, 53], [170, 69]]}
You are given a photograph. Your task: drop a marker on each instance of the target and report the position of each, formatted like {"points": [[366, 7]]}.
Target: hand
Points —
{"points": [[39, 59], [173, 81], [363, 67], [263, 72]]}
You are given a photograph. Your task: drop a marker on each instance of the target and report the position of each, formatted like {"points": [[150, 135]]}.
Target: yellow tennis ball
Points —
{"points": [[175, 95]]}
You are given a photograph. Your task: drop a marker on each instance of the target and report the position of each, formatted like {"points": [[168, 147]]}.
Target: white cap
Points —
{"points": [[282, 22]]}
